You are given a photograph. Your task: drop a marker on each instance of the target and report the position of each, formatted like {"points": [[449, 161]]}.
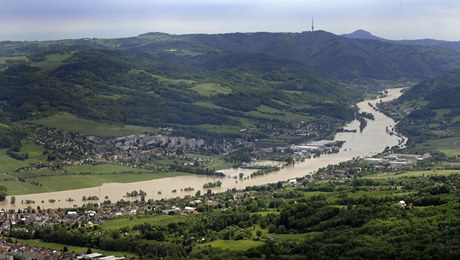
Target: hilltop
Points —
{"points": [[365, 35]]}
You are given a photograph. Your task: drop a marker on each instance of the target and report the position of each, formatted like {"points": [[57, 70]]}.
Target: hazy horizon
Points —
{"points": [[390, 19]]}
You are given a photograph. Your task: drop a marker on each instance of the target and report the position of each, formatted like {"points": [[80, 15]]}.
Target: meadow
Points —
{"points": [[394, 175], [69, 122], [449, 146], [157, 220], [104, 169], [211, 89]]}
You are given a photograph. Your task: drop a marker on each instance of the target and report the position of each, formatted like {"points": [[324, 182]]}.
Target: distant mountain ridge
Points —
{"points": [[322, 52], [201, 80], [333, 56], [365, 35]]}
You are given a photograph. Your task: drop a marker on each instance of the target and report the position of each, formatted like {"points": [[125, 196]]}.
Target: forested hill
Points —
{"points": [[440, 92], [335, 56], [124, 86], [433, 108], [234, 80], [361, 34]]}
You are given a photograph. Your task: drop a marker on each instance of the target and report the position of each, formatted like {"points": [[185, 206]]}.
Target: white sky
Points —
{"points": [[391, 19]]}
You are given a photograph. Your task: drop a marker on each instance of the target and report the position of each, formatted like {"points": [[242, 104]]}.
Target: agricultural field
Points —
{"points": [[103, 169], [157, 220], [211, 89], [221, 129], [34, 151], [70, 122], [3, 60], [9, 164], [425, 173], [283, 237], [52, 183], [233, 245], [52, 61], [207, 105], [449, 146]]}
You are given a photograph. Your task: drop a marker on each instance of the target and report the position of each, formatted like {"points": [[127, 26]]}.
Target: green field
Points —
{"points": [[34, 151], [172, 81], [53, 61], [449, 146], [217, 162], [76, 249], [207, 105], [69, 122], [70, 182], [157, 220], [13, 58], [221, 129], [392, 175], [8, 164], [271, 113], [211, 89], [285, 237], [234, 245], [104, 168]]}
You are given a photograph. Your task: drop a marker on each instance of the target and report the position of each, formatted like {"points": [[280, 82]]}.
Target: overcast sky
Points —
{"points": [[391, 19]]}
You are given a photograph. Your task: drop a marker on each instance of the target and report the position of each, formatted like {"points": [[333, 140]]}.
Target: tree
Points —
{"points": [[2, 193]]}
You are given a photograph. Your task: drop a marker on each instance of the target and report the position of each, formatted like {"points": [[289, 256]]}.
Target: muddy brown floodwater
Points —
{"points": [[374, 139]]}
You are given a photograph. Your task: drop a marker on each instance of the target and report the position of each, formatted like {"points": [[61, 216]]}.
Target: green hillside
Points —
{"points": [[129, 87], [204, 85], [323, 52], [434, 114]]}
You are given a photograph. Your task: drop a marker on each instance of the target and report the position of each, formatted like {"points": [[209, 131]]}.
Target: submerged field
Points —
{"points": [[53, 182]]}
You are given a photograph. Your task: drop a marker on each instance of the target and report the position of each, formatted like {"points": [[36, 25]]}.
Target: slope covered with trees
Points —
{"points": [[433, 108], [326, 53], [128, 86]]}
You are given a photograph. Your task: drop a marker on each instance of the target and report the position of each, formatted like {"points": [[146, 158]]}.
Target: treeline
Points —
{"points": [[11, 136], [194, 169], [3, 193]]}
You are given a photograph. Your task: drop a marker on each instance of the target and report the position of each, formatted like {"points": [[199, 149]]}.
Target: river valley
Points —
{"points": [[372, 140]]}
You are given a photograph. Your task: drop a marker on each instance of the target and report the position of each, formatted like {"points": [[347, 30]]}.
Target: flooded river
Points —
{"points": [[372, 140]]}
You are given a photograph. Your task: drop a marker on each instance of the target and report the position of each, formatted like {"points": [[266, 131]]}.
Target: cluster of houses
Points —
{"points": [[12, 251], [397, 160], [146, 141], [315, 148]]}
